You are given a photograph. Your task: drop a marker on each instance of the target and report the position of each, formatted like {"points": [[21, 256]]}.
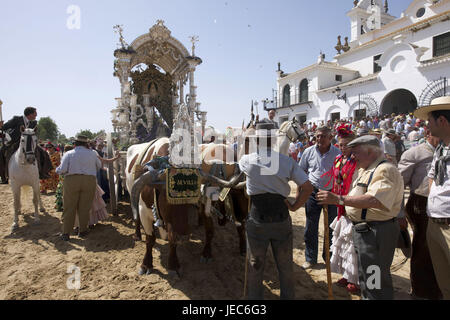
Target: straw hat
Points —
{"points": [[376, 131], [442, 103]]}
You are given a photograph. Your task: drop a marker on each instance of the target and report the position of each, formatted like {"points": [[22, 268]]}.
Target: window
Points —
{"points": [[359, 114], [420, 12], [286, 96], [304, 90], [282, 120], [441, 45], [335, 116], [376, 66], [338, 77], [301, 118]]}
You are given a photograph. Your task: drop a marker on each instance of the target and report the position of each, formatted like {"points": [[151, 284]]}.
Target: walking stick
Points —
{"points": [[327, 251], [246, 256]]}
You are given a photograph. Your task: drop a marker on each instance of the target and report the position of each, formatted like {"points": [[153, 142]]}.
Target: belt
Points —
{"points": [[444, 221], [374, 222], [268, 208]]}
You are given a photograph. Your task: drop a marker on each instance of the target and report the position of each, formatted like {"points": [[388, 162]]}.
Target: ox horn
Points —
{"points": [[222, 183], [240, 185], [148, 178]]}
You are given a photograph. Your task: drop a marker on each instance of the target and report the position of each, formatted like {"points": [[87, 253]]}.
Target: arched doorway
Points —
{"points": [[399, 101]]}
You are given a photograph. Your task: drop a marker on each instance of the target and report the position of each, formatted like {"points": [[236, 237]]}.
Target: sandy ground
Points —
{"points": [[34, 262]]}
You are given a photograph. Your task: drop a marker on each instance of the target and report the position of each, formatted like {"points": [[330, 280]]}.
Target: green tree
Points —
{"points": [[62, 139], [47, 129]]}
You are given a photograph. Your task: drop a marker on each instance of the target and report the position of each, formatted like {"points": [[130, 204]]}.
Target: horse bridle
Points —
{"points": [[28, 148], [292, 139]]}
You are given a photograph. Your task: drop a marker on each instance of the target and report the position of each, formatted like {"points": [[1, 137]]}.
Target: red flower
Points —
{"points": [[344, 131]]}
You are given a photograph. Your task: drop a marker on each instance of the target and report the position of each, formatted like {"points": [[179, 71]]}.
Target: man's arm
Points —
{"points": [[303, 193], [406, 166], [10, 124], [364, 201]]}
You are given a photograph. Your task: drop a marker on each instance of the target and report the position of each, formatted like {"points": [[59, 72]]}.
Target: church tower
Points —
{"points": [[366, 16]]}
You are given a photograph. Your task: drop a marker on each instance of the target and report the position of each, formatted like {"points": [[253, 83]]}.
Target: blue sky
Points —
{"points": [[67, 74]]}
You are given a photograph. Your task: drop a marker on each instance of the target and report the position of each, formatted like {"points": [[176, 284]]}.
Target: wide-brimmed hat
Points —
{"points": [[442, 103], [49, 145], [362, 132], [390, 131], [81, 138], [376, 131]]}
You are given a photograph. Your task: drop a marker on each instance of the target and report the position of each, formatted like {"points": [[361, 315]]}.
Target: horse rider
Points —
{"points": [[271, 119], [14, 129]]}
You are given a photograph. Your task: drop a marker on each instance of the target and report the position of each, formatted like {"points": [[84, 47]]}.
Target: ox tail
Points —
{"points": [[147, 178]]}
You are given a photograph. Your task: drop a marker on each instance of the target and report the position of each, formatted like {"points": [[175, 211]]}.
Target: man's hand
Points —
{"points": [[290, 206], [326, 197], [303, 193]]}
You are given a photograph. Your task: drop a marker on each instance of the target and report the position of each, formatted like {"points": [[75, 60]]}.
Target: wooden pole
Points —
{"points": [[112, 185], [327, 251]]}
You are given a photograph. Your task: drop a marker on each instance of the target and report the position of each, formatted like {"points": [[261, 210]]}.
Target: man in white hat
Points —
{"points": [[438, 208], [79, 167], [268, 173], [414, 166]]}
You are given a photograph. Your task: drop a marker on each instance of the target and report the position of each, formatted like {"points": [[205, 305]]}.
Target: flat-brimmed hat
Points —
{"points": [[81, 138], [364, 140], [362, 132], [442, 103], [49, 145], [390, 131], [376, 131]]}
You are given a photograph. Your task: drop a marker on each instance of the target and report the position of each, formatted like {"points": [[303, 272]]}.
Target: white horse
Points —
{"points": [[23, 171], [290, 131]]}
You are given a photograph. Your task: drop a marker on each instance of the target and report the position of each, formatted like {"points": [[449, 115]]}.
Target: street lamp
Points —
{"points": [[338, 94]]}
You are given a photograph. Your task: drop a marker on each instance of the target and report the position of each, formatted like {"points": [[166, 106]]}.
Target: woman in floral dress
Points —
{"points": [[51, 183], [344, 258]]}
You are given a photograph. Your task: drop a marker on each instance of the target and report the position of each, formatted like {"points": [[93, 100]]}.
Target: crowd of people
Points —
{"points": [[399, 132], [357, 170]]}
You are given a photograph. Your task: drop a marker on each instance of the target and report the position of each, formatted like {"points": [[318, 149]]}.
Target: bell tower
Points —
{"points": [[366, 16]]}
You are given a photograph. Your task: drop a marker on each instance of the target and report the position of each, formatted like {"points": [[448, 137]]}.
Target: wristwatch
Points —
{"points": [[341, 200]]}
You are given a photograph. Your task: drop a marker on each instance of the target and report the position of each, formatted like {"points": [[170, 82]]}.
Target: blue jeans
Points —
{"points": [[313, 210], [279, 236]]}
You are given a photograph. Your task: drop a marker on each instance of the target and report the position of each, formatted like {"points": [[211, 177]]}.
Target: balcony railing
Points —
{"points": [[292, 101]]}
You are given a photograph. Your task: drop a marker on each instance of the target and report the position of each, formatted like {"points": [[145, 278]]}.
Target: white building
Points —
{"points": [[389, 65]]}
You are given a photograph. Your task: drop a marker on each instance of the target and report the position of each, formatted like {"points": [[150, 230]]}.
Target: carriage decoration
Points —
{"points": [[154, 72]]}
